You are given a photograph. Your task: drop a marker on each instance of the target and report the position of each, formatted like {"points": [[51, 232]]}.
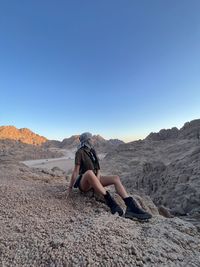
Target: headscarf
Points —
{"points": [[84, 140]]}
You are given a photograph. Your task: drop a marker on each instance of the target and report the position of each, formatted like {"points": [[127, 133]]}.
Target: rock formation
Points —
{"points": [[23, 135], [167, 168], [190, 130]]}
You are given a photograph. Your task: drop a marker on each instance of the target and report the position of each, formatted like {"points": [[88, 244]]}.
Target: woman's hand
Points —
{"points": [[73, 178], [69, 192]]}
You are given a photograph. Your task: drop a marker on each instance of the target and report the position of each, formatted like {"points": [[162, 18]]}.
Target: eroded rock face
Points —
{"points": [[168, 171], [190, 130], [176, 185], [40, 227], [164, 134]]}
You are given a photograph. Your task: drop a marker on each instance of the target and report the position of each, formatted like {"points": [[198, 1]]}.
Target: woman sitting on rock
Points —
{"points": [[86, 175]]}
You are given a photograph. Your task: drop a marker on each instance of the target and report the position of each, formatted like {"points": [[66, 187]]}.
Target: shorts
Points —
{"points": [[78, 180]]}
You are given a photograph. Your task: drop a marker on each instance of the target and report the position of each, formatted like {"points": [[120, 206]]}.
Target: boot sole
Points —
{"points": [[131, 217]]}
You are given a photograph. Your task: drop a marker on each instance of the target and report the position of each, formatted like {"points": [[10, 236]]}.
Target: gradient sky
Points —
{"points": [[121, 69]]}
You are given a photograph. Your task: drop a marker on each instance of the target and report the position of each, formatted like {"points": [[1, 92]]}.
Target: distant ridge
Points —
{"points": [[190, 130], [23, 135]]}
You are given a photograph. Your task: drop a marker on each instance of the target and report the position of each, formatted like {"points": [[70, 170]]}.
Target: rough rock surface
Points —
{"points": [[168, 171], [40, 227], [164, 134]]}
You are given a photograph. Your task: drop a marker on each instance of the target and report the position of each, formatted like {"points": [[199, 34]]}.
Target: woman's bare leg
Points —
{"points": [[90, 180], [114, 179]]}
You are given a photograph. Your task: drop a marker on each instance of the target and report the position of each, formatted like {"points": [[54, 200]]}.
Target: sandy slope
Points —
{"points": [[40, 227]]}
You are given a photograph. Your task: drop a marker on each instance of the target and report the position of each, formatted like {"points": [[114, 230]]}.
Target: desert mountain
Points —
{"points": [[10, 134], [165, 166], [23, 135], [23, 144]]}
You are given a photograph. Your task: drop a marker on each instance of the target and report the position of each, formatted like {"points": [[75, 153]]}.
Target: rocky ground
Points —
{"points": [[40, 227]]}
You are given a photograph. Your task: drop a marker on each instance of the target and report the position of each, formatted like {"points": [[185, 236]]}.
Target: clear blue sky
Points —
{"points": [[112, 67]]}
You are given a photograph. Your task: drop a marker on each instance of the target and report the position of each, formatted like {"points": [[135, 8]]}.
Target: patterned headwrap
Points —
{"points": [[84, 137]]}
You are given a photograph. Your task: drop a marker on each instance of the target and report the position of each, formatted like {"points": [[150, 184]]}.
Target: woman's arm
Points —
{"points": [[75, 173], [73, 178]]}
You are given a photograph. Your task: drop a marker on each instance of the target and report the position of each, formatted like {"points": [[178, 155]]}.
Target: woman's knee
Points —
{"points": [[116, 178]]}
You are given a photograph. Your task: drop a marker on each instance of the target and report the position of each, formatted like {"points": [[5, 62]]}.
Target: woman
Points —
{"points": [[86, 175]]}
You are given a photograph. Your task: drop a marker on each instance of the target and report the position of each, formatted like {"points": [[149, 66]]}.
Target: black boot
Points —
{"points": [[133, 211], [114, 207]]}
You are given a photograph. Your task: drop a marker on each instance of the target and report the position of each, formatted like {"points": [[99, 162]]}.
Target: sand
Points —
{"points": [[63, 163]]}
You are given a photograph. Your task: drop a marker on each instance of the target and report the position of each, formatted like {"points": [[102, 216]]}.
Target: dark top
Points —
{"points": [[87, 159]]}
